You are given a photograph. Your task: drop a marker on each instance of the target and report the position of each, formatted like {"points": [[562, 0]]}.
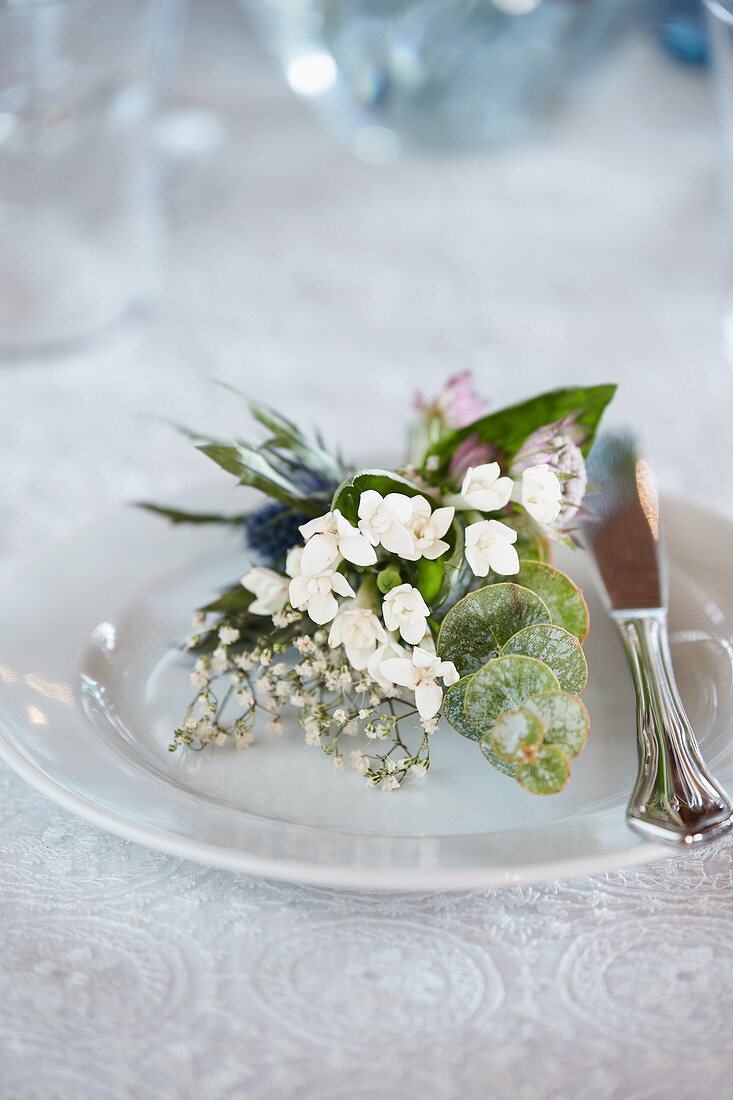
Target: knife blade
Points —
{"points": [[675, 797]]}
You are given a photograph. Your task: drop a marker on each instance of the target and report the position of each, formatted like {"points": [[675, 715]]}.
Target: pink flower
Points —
{"points": [[472, 452], [457, 404]]}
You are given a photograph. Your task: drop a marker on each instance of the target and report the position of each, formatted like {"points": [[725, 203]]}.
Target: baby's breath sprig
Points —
{"points": [[292, 669]]}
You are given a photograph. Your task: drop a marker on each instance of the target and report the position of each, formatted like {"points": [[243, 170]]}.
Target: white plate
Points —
{"points": [[91, 687]]}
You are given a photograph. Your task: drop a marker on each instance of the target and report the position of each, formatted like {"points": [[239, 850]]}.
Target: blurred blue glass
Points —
{"points": [[393, 74], [680, 27]]}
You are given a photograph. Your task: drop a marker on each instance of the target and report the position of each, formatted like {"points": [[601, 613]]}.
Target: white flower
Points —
{"points": [[541, 493], [269, 587], [316, 594], [359, 631], [420, 673], [219, 661], [359, 762], [405, 610], [483, 489], [489, 546], [327, 537], [427, 528], [383, 653], [383, 520], [292, 561], [389, 783], [228, 634]]}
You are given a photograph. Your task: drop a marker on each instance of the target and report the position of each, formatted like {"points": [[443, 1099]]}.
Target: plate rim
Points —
{"points": [[344, 876]]}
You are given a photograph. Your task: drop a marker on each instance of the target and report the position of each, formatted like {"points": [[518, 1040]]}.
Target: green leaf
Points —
{"points": [[508, 428], [430, 578], [252, 468], [175, 515], [564, 599], [547, 773], [224, 455], [517, 736], [477, 627], [455, 568], [270, 418], [346, 497], [454, 710], [504, 683], [565, 720], [558, 648], [287, 435], [486, 744], [235, 599]]}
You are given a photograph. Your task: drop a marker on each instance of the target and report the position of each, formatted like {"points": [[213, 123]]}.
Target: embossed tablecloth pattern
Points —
{"points": [[593, 255]]}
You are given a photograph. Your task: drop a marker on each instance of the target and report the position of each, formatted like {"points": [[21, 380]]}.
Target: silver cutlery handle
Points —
{"points": [[675, 797]]}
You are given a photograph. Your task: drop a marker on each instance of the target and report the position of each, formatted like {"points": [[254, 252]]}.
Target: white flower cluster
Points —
{"points": [[371, 632]]}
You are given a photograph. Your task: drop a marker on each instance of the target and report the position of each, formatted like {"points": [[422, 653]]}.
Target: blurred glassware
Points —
{"points": [[188, 137], [80, 224], [720, 27], [680, 28], [393, 74]]}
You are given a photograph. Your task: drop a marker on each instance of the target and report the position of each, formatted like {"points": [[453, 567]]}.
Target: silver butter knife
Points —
{"points": [[675, 797]]}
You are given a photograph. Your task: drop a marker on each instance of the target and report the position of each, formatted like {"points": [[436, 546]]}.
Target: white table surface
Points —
{"points": [[593, 255]]}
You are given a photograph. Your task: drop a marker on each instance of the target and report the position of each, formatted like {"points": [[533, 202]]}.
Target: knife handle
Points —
{"points": [[675, 797]]}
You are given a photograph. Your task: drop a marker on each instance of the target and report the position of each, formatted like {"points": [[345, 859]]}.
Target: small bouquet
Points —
{"points": [[376, 600]]}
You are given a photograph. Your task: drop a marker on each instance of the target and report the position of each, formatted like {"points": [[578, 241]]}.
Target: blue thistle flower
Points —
{"points": [[272, 530]]}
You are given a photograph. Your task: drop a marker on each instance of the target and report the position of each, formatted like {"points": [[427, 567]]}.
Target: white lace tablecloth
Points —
{"points": [[595, 254]]}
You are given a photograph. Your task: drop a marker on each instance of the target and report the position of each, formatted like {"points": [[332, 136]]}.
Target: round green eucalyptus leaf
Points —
{"points": [[517, 733], [547, 773], [506, 767], [503, 684], [476, 628], [558, 648], [564, 599], [454, 710], [565, 719]]}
